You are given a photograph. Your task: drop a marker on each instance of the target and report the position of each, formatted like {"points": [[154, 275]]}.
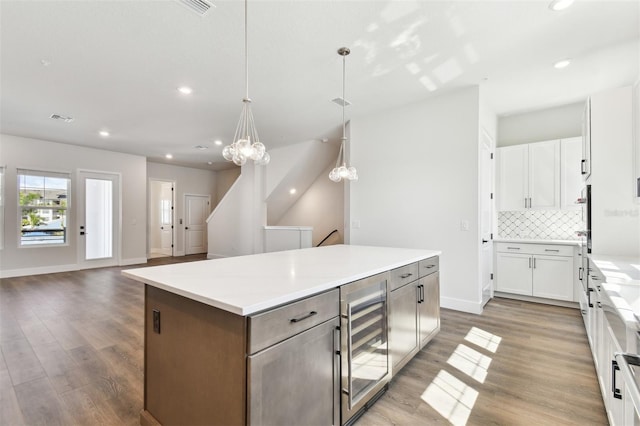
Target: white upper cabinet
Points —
{"points": [[529, 176], [570, 174], [544, 175], [512, 177]]}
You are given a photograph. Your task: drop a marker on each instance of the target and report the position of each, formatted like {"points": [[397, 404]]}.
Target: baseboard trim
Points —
{"points": [[542, 300], [215, 256], [461, 305], [53, 269], [133, 261]]}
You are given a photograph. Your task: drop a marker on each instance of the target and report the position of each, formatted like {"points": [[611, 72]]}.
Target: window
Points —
{"points": [[43, 205]]}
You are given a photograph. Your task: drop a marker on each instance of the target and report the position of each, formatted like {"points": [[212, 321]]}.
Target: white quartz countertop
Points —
{"points": [[245, 285], [533, 241], [622, 283]]}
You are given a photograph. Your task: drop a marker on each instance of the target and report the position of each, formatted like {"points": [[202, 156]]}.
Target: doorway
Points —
{"points": [[195, 229], [486, 215], [98, 219], [161, 228]]}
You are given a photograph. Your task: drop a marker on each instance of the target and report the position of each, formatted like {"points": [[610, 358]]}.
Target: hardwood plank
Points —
{"points": [[10, 412], [22, 363], [39, 403]]}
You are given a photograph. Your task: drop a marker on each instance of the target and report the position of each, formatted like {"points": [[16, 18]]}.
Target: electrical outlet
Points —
{"points": [[156, 321]]}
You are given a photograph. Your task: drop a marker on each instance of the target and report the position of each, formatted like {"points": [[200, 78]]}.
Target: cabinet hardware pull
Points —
{"points": [[583, 163], [580, 273], [513, 248], [418, 291], [616, 392], [430, 266], [421, 293], [529, 263], [525, 203], [529, 202], [534, 263], [551, 250], [309, 315], [403, 276], [589, 290]]}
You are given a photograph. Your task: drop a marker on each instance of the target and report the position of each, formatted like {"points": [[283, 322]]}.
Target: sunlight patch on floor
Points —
{"points": [[484, 339], [450, 397], [471, 362]]}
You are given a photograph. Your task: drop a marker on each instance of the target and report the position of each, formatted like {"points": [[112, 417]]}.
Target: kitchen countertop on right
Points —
{"points": [[536, 241]]}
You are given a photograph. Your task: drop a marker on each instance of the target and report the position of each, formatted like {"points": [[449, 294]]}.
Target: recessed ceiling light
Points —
{"points": [[218, 142], [185, 90], [104, 133], [169, 156], [292, 191], [557, 5], [562, 64]]}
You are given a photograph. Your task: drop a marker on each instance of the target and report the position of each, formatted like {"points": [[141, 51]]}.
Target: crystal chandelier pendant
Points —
{"points": [[343, 171], [246, 144]]}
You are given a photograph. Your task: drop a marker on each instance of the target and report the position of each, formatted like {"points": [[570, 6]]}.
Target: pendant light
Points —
{"points": [[343, 171], [246, 144]]}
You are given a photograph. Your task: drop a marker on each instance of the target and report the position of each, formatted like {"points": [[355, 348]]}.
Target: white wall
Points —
{"points": [[224, 180], [236, 226], [553, 123], [18, 152], [321, 206], [418, 169], [188, 181]]}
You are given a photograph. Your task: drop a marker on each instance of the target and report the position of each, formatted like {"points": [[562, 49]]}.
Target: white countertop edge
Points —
{"points": [[532, 241], [274, 302]]}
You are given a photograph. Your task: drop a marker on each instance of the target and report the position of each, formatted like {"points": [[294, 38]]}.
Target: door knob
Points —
{"points": [[162, 227], [186, 227]]}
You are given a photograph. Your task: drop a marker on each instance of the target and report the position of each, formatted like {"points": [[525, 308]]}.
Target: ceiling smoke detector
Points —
{"points": [[341, 102], [200, 7], [61, 117]]}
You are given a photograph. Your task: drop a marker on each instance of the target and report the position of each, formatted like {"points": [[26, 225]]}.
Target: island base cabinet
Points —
{"points": [[297, 381], [403, 324], [195, 371], [429, 308]]}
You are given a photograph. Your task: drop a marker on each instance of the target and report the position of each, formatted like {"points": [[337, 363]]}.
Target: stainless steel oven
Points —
{"points": [[364, 341]]}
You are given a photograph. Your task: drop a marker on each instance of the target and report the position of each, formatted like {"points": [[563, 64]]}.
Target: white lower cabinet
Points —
{"points": [[537, 270]]}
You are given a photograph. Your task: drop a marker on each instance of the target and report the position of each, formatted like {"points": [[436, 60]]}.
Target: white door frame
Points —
{"points": [[184, 210], [116, 257], [174, 228], [486, 142]]}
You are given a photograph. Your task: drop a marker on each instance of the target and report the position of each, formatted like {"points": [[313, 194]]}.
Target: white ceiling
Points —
{"points": [[115, 65]]}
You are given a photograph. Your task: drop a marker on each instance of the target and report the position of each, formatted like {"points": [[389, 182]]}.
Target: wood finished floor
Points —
{"points": [[72, 354]]}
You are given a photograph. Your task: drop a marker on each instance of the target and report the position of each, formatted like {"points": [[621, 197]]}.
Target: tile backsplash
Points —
{"points": [[540, 224]]}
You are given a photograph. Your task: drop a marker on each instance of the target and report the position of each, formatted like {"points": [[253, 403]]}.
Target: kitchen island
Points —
{"points": [[253, 339]]}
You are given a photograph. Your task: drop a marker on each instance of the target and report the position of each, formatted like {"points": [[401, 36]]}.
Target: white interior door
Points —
{"points": [[486, 216], [166, 218], [195, 229], [98, 219]]}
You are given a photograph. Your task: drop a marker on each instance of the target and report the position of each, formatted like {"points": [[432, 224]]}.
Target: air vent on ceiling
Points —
{"points": [[201, 7], [341, 102], [62, 117]]}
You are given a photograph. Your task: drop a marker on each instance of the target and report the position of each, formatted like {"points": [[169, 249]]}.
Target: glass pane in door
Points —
{"points": [[99, 218]]}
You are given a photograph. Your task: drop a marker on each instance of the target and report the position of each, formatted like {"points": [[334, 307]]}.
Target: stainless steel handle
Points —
{"points": [[418, 294], [529, 202], [580, 273], [421, 293], [349, 390], [304, 317], [583, 164], [403, 276], [513, 248], [551, 250], [614, 389], [624, 360], [593, 277], [525, 203], [430, 266], [534, 263]]}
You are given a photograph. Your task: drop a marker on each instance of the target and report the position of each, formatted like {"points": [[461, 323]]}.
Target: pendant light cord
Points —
{"points": [[246, 50], [344, 100]]}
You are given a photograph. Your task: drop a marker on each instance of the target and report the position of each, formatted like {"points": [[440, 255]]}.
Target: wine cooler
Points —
{"points": [[364, 340]]}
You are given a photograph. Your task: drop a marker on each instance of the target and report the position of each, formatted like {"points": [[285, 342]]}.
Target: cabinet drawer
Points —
{"points": [[404, 275], [428, 266], [553, 250], [514, 248], [281, 323]]}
